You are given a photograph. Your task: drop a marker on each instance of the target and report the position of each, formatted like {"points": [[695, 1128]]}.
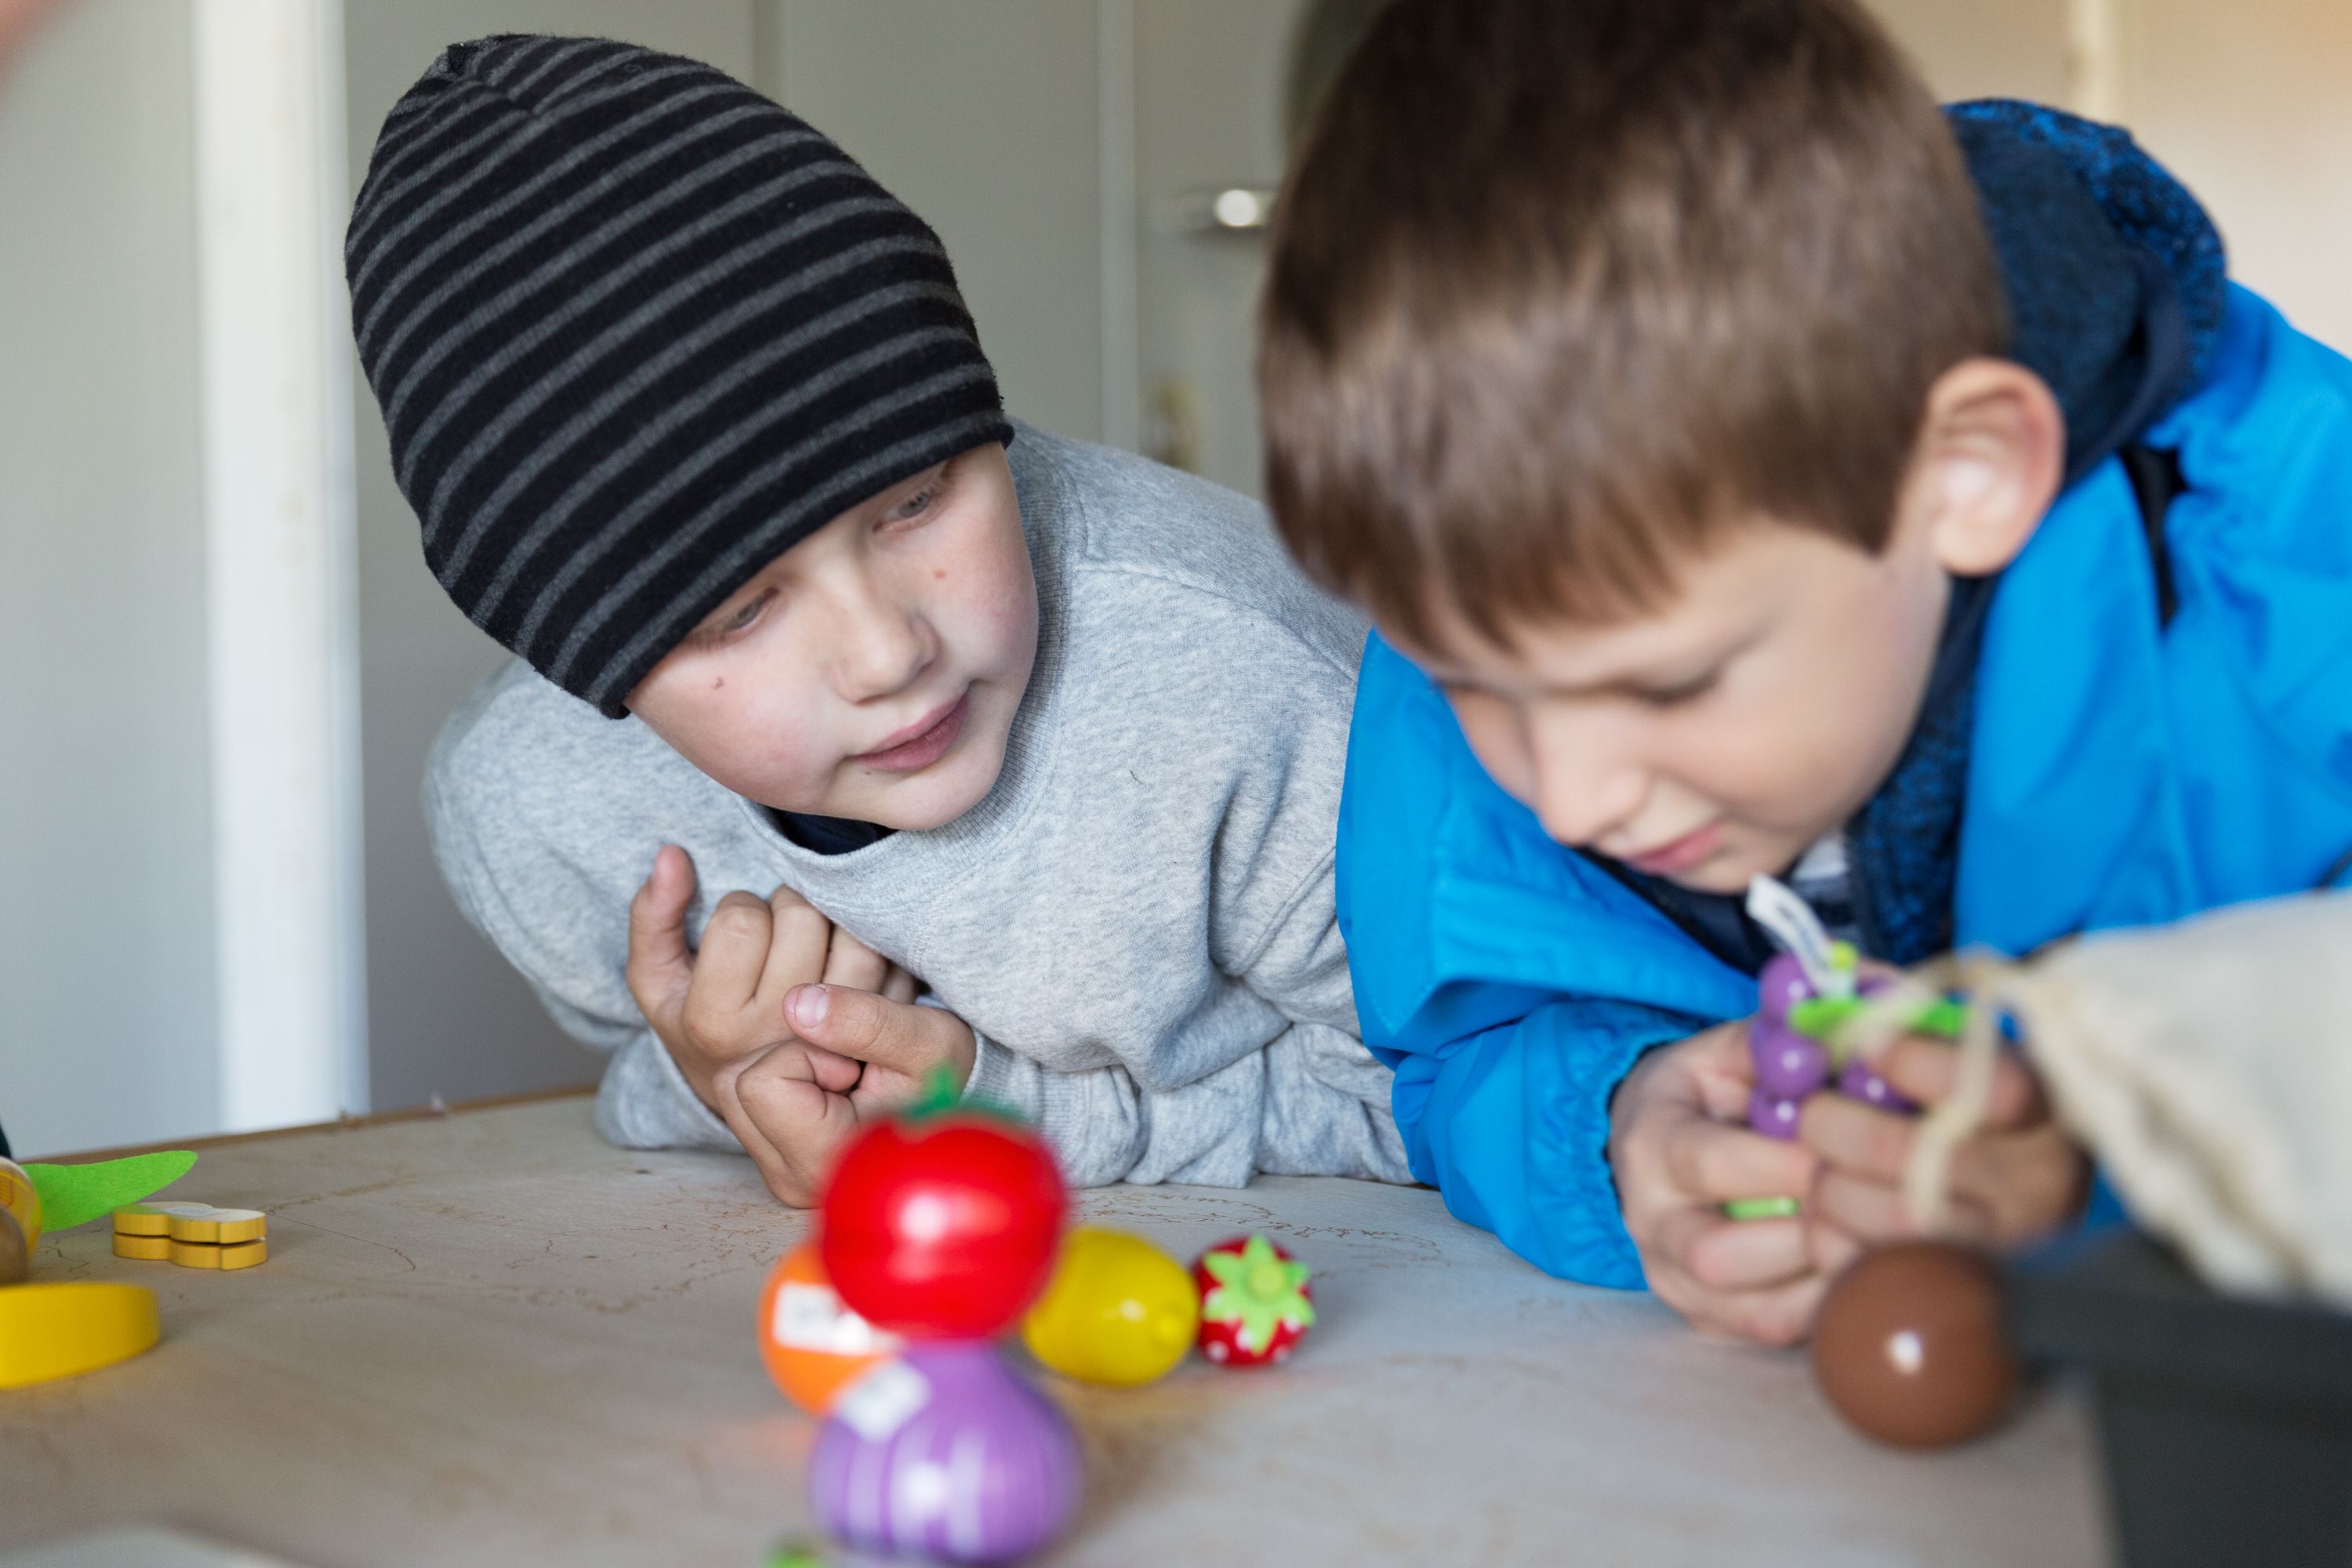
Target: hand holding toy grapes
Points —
{"points": [[2015, 1177], [1680, 1149]]}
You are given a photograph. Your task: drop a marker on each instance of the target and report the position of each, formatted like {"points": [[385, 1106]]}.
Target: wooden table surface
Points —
{"points": [[489, 1338]]}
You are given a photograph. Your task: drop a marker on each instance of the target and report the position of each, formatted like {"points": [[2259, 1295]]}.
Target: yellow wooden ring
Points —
{"points": [[143, 1248], [50, 1331]]}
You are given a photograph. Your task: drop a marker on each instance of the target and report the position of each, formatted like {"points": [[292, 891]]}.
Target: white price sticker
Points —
{"points": [[884, 1400], [812, 1317]]}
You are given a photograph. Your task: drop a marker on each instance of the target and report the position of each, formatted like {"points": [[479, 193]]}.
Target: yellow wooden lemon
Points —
{"points": [[56, 1330], [1119, 1309]]}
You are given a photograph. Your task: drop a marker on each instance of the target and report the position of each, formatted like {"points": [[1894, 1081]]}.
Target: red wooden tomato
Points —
{"points": [[943, 1226]]}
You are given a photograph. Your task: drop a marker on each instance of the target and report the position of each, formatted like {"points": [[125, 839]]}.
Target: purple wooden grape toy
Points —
{"points": [[1781, 987], [1861, 1080], [945, 1454], [1774, 1117], [1788, 1068], [1788, 1065]]}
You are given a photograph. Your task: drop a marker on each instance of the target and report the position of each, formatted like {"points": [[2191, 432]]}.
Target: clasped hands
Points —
{"points": [[791, 1030]]}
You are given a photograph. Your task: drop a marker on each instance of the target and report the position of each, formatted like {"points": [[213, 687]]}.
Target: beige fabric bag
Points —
{"points": [[2208, 1065]]}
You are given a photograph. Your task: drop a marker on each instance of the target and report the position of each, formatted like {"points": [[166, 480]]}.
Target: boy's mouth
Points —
{"points": [[1678, 856], [922, 744]]}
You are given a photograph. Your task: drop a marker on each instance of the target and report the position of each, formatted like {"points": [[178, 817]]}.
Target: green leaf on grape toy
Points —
{"points": [[1799, 1041], [1807, 995]]}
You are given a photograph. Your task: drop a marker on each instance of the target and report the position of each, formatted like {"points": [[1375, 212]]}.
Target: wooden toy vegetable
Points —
{"points": [[813, 1344], [1254, 1302], [942, 1225], [945, 1454], [1119, 1310]]}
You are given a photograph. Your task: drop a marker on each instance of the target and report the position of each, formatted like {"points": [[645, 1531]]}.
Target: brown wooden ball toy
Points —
{"points": [[1908, 1346]]}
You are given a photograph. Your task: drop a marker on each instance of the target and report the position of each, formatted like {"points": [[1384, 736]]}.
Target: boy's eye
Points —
{"points": [[1686, 693], [739, 619], [917, 504]]}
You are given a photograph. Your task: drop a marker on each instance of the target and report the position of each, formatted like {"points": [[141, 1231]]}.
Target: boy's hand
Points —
{"points": [[793, 1117], [2019, 1177], [901, 1044], [717, 1010], [791, 1030], [1680, 1148]]}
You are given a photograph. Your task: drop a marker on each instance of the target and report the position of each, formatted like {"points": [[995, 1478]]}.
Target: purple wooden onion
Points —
{"points": [[945, 1454]]}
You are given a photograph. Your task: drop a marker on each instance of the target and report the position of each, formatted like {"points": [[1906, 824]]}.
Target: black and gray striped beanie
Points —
{"points": [[636, 329]]}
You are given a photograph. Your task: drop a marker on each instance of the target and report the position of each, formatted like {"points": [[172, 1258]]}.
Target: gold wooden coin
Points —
{"points": [[154, 1219], [221, 1227], [143, 1248], [211, 1255]]}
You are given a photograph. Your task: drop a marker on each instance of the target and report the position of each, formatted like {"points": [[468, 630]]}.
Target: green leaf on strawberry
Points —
{"points": [[1258, 1289]]}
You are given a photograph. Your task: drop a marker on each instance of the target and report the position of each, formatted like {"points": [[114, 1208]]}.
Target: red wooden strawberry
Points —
{"points": [[1254, 1302], [942, 1225]]}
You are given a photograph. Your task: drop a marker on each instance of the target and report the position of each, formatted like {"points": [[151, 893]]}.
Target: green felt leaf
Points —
{"points": [[77, 1195], [1818, 1017], [1259, 1289]]}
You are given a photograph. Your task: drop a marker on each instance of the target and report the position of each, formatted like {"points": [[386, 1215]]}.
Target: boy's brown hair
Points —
{"points": [[1560, 289]]}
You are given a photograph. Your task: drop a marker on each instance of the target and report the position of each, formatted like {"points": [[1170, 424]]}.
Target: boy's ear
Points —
{"points": [[1991, 452]]}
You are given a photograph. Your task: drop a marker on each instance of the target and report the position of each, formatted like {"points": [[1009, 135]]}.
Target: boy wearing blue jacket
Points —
{"points": [[1752, 469]]}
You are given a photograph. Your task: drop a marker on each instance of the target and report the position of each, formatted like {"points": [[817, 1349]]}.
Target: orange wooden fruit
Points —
{"points": [[813, 1346]]}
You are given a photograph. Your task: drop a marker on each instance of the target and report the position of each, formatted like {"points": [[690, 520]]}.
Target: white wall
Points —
{"points": [[1984, 48], [446, 1015], [1209, 115], [2251, 105], [106, 954]]}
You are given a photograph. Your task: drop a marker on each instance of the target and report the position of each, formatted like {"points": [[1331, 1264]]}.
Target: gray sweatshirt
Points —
{"points": [[1137, 921]]}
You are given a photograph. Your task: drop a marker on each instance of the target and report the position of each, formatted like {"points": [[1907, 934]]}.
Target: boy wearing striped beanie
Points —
{"points": [[1012, 758]]}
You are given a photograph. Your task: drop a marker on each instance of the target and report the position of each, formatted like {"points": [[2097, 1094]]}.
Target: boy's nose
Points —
{"points": [[882, 650], [1581, 799]]}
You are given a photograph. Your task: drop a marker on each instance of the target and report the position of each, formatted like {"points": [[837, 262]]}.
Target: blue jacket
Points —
{"points": [[2120, 770]]}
